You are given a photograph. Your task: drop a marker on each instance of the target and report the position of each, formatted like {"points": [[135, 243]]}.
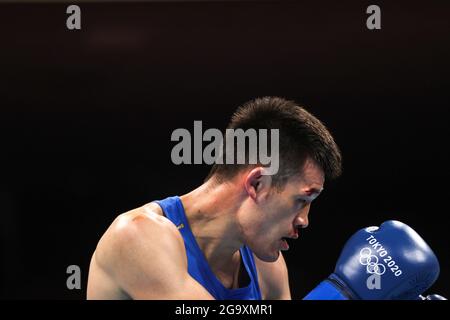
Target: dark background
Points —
{"points": [[86, 118]]}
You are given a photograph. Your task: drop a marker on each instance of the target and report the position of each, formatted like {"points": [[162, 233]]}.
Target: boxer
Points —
{"points": [[223, 239]]}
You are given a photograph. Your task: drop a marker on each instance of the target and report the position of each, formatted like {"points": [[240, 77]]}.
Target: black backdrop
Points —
{"points": [[86, 118]]}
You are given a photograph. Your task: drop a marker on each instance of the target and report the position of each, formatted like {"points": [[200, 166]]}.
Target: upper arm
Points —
{"points": [[145, 255], [273, 279]]}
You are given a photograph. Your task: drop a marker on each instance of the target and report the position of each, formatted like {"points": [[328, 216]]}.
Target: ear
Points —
{"points": [[257, 184]]}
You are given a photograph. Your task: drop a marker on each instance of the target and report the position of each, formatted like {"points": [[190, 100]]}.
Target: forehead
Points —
{"points": [[310, 176]]}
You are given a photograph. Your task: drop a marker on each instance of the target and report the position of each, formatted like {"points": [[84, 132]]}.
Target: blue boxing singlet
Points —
{"points": [[198, 267]]}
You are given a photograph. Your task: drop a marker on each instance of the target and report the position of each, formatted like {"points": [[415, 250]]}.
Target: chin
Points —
{"points": [[268, 255]]}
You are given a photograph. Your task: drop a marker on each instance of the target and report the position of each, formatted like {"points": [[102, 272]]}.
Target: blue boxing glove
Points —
{"points": [[381, 263]]}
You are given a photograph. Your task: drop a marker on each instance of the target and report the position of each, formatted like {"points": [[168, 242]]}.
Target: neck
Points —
{"points": [[211, 212]]}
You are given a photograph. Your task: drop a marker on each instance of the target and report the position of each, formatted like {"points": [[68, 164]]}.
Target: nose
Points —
{"points": [[301, 220]]}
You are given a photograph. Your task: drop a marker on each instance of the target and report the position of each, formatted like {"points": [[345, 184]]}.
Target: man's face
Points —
{"points": [[277, 215]]}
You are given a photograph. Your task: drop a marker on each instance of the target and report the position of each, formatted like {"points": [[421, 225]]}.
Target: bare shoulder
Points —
{"points": [[144, 254], [273, 279], [144, 230]]}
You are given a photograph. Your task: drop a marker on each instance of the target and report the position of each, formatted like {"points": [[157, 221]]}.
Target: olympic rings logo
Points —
{"points": [[366, 258]]}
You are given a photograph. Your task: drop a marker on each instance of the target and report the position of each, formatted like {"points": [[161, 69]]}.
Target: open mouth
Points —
{"points": [[284, 244]]}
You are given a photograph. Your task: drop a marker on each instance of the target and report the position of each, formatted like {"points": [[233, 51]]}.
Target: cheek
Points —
{"points": [[277, 225], [257, 228], [285, 213], [251, 223], [269, 221]]}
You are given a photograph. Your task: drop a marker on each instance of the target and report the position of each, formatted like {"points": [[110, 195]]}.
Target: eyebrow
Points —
{"points": [[311, 191]]}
